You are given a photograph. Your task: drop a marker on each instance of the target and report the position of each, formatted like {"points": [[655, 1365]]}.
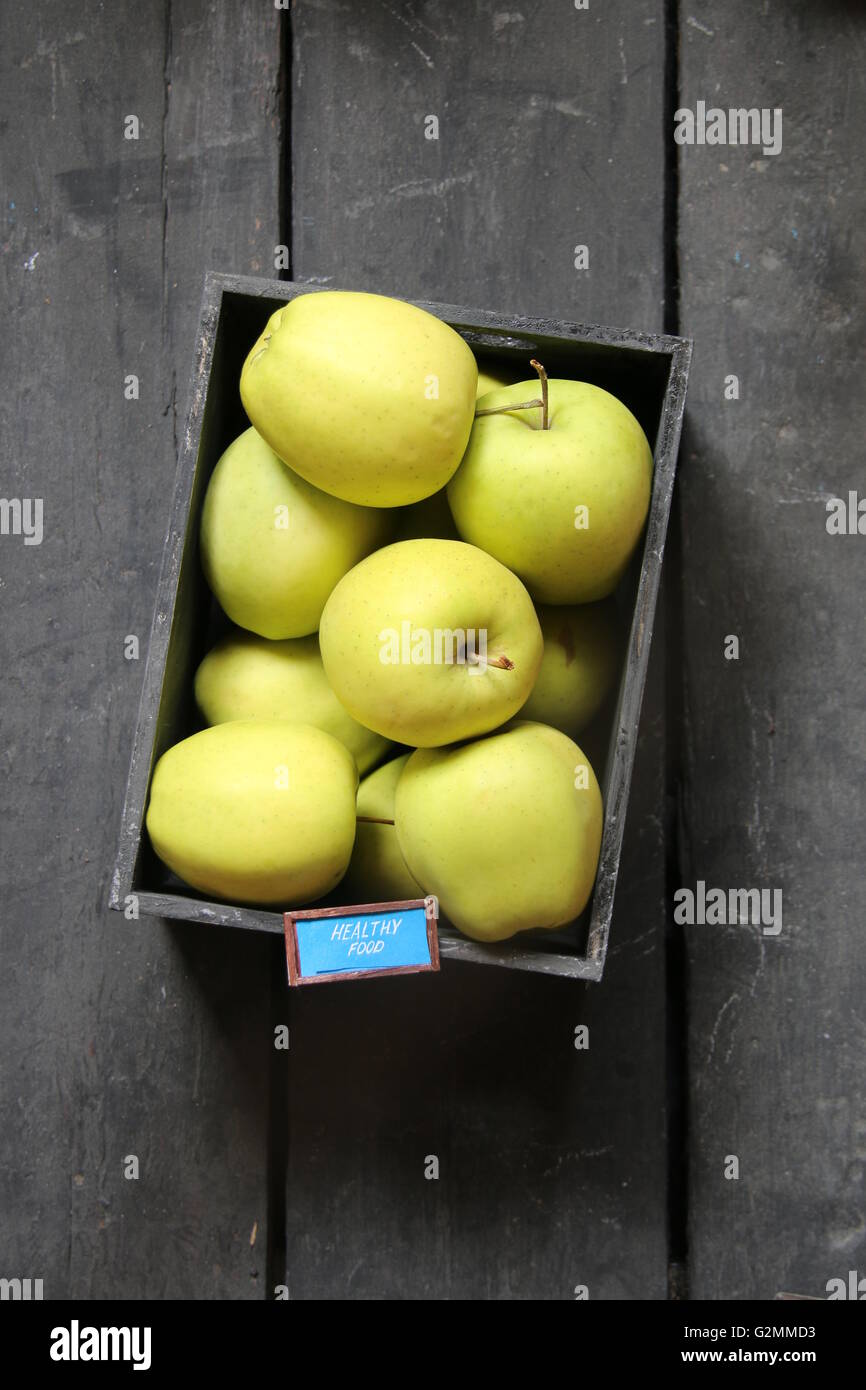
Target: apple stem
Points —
{"points": [[373, 820], [525, 405], [545, 423], [502, 663], [501, 409]]}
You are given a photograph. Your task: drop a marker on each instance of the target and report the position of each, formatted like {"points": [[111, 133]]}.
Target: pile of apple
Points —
{"points": [[410, 559]]}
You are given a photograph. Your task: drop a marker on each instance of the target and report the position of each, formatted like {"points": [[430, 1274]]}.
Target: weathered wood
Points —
{"points": [[119, 1037], [771, 253], [552, 1160]]}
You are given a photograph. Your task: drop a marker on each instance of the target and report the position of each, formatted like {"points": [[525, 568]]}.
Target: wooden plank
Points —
{"points": [[120, 1038], [771, 251], [552, 1161]]}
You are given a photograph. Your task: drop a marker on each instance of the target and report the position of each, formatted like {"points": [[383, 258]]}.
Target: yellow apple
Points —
{"points": [[258, 811], [272, 546], [505, 830], [369, 398], [579, 666], [377, 871], [563, 505], [249, 677], [428, 641], [427, 520], [492, 374]]}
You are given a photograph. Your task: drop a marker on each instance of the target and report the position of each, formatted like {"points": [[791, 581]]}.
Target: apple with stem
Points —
{"points": [[556, 486], [428, 641]]}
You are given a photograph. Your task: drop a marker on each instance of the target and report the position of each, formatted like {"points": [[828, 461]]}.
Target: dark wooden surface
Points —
{"points": [[556, 1167], [772, 284], [119, 1037]]}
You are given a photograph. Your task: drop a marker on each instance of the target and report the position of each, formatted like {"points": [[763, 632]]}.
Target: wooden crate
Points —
{"points": [[648, 372]]}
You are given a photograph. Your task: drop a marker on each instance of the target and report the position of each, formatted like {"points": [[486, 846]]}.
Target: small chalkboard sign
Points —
{"points": [[360, 942]]}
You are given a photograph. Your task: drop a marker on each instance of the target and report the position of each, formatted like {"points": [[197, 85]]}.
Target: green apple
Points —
{"points": [[272, 546], [428, 641], [560, 494], [505, 831], [377, 871], [258, 811], [580, 662], [492, 375], [427, 520], [370, 399], [249, 677]]}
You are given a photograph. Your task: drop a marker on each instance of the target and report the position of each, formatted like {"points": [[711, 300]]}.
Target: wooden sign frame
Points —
{"points": [[430, 906]]}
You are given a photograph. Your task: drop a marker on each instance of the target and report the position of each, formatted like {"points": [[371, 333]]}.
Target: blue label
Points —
{"points": [[329, 945]]}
